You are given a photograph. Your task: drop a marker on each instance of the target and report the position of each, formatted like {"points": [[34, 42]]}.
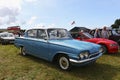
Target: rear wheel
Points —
{"points": [[23, 51], [63, 62], [104, 49]]}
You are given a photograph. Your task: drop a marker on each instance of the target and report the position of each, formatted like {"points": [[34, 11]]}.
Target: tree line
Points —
{"points": [[116, 24]]}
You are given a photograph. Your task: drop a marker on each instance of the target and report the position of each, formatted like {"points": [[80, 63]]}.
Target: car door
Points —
{"points": [[36, 43], [41, 44], [29, 42]]}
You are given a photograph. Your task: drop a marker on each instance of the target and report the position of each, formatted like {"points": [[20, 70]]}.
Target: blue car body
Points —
{"points": [[48, 48]]}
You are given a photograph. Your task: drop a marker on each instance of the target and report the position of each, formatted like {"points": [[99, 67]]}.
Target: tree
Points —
{"points": [[116, 24]]}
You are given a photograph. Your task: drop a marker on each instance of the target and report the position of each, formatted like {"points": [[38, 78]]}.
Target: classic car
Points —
{"points": [[6, 37], [57, 45], [109, 46]]}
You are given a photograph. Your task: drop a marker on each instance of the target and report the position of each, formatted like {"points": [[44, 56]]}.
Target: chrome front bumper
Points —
{"points": [[86, 60]]}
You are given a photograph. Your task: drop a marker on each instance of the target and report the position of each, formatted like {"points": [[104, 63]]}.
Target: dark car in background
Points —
{"points": [[114, 36], [79, 29]]}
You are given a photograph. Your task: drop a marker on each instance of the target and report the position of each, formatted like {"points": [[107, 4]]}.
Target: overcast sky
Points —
{"points": [[58, 13]]}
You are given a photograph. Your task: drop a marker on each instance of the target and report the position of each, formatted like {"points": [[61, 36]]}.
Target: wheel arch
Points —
{"points": [[21, 46], [55, 58], [103, 44]]}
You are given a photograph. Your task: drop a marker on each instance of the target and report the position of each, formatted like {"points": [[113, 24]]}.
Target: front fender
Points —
{"points": [[70, 55]]}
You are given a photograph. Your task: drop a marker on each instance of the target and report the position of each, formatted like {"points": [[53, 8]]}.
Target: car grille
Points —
{"points": [[93, 55]]}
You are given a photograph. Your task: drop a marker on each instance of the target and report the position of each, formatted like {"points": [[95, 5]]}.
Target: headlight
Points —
{"points": [[113, 45], [84, 55], [81, 56]]}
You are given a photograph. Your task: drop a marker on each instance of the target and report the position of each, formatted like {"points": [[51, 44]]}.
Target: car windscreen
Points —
{"points": [[88, 35], [58, 34], [7, 35], [3, 35]]}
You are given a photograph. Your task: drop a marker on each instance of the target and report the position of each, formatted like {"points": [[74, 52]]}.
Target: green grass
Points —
{"points": [[13, 66]]}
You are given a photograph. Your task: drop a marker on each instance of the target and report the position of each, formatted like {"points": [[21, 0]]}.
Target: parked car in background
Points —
{"points": [[6, 38], [78, 29], [114, 36], [109, 46], [57, 45]]}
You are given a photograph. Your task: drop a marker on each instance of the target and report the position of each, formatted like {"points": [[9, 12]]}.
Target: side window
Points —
{"points": [[53, 34], [41, 34], [32, 33]]}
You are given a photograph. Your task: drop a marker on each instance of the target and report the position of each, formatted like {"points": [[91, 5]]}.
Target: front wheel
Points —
{"points": [[23, 51], [64, 63]]}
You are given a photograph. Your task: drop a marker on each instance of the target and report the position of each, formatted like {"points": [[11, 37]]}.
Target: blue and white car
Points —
{"points": [[57, 45]]}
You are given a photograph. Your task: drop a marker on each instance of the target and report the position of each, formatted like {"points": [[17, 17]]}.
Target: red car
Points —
{"points": [[107, 45]]}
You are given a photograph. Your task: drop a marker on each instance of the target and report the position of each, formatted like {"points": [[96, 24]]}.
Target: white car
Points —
{"points": [[6, 37]]}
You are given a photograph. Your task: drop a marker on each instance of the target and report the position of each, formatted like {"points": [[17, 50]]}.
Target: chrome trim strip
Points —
{"points": [[93, 54], [82, 61]]}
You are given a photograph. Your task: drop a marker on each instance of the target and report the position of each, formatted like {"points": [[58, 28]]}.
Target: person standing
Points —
{"points": [[104, 33], [97, 33]]}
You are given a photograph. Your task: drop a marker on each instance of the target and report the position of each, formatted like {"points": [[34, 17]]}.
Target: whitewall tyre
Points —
{"points": [[64, 63], [23, 51]]}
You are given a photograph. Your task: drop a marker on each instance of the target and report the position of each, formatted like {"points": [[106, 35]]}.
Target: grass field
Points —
{"points": [[13, 66]]}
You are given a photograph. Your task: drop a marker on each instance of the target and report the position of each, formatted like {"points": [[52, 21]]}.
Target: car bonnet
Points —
{"points": [[79, 45]]}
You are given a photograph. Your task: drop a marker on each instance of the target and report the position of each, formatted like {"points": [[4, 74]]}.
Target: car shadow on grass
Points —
{"points": [[97, 71]]}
